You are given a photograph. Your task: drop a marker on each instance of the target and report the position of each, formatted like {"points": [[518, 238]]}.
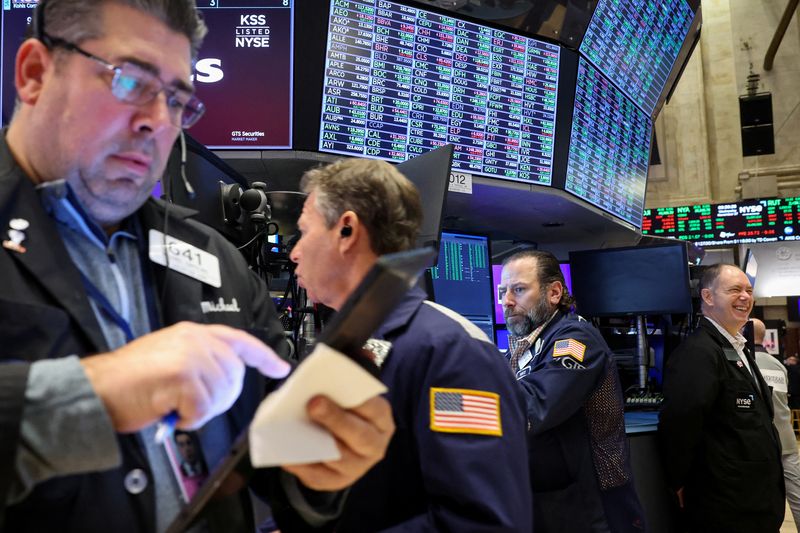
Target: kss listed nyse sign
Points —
{"points": [[244, 76], [253, 31]]}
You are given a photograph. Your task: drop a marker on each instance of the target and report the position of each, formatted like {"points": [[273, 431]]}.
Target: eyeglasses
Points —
{"points": [[135, 85]]}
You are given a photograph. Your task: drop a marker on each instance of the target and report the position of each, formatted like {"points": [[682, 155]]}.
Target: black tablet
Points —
{"points": [[362, 313]]}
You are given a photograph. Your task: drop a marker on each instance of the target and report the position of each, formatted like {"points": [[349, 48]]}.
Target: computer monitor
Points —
{"points": [[430, 172], [244, 72], [400, 80], [609, 148], [14, 20], [244, 75], [462, 279], [632, 281], [635, 43]]}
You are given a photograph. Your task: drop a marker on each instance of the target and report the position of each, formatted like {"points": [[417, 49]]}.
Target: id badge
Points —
{"points": [[185, 258]]}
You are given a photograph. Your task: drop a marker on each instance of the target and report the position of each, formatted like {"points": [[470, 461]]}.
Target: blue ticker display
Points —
{"points": [[609, 149], [400, 81], [636, 42]]}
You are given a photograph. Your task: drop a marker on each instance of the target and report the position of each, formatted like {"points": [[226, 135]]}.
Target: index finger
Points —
{"points": [[252, 351]]}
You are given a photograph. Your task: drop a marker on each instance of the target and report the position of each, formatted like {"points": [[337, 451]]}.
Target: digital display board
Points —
{"points": [[243, 73], [400, 81], [743, 222], [635, 44], [462, 278], [609, 149]]}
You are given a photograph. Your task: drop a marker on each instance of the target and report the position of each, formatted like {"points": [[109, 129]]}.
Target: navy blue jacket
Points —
{"points": [[432, 480], [579, 454]]}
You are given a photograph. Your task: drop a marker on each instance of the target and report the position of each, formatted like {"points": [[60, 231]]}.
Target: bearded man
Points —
{"points": [[579, 454]]}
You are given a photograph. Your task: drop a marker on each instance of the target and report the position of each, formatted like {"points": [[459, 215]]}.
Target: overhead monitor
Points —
{"points": [[430, 173], [400, 81], [609, 148], [640, 280], [462, 278], [244, 74], [635, 44], [14, 20], [749, 221]]}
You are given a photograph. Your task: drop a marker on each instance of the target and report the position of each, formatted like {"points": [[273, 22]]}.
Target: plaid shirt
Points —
{"points": [[519, 345]]}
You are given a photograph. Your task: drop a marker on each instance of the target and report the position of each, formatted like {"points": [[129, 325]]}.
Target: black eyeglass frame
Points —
{"points": [[191, 111]]}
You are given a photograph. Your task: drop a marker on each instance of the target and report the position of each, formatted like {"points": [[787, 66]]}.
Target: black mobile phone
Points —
{"points": [[362, 313]]}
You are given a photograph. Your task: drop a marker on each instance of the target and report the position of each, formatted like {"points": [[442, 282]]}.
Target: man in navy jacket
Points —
{"points": [[579, 456], [457, 461]]}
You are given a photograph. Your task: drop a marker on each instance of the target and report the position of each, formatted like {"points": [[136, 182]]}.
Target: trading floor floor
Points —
{"points": [[788, 522]]}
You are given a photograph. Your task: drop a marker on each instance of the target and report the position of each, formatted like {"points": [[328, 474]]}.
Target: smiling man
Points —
{"points": [[721, 453]]}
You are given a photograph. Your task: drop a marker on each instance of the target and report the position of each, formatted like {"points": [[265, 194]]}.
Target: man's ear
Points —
{"points": [[33, 60], [554, 292], [350, 230], [705, 295]]}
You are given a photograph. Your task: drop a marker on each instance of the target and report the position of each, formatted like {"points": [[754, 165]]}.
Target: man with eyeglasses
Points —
{"points": [[721, 452], [103, 90]]}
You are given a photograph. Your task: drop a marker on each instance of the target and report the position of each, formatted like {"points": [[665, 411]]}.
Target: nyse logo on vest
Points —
{"points": [[220, 306], [745, 401]]}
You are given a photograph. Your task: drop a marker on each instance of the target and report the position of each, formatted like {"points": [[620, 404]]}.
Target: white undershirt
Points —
{"points": [[738, 342]]}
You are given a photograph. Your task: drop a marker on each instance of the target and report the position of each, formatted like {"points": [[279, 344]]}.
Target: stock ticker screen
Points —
{"points": [[609, 149], [635, 43], [462, 278], [243, 73], [743, 222], [400, 81]]}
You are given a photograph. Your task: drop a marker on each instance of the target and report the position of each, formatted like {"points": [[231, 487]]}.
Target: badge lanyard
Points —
{"points": [[107, 309]]}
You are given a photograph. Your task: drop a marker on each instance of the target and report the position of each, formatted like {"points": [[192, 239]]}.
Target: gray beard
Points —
{"points": [[537, 316]]}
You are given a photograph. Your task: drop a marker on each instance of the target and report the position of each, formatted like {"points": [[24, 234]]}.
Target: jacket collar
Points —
{"points": [[403, 313], [43, 247]]}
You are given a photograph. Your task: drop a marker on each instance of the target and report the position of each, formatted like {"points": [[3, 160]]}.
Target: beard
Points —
{"points": [[523, 325]]}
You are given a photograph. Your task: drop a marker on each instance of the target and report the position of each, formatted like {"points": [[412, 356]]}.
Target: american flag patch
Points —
{"points": [[465, 411], [569, 347]]}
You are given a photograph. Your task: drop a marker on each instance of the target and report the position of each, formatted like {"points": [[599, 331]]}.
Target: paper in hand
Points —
{"points": [[281, 432]]}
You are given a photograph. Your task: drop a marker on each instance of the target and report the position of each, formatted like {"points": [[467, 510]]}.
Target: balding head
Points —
{"points": [[759, 331]]}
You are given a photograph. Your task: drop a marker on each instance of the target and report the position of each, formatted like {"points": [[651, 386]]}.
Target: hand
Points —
{"points": [[362, 435], [193, 369]]}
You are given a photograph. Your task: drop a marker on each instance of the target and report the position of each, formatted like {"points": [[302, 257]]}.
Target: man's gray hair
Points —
{"points": [[384, 200]]}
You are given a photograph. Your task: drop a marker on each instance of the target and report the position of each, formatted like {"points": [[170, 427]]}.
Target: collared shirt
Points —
{"points": [[112, 267], [522, 344], [738, 342]]}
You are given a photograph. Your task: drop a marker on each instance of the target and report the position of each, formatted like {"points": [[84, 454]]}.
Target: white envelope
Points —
{"points": [[281, 432]]}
